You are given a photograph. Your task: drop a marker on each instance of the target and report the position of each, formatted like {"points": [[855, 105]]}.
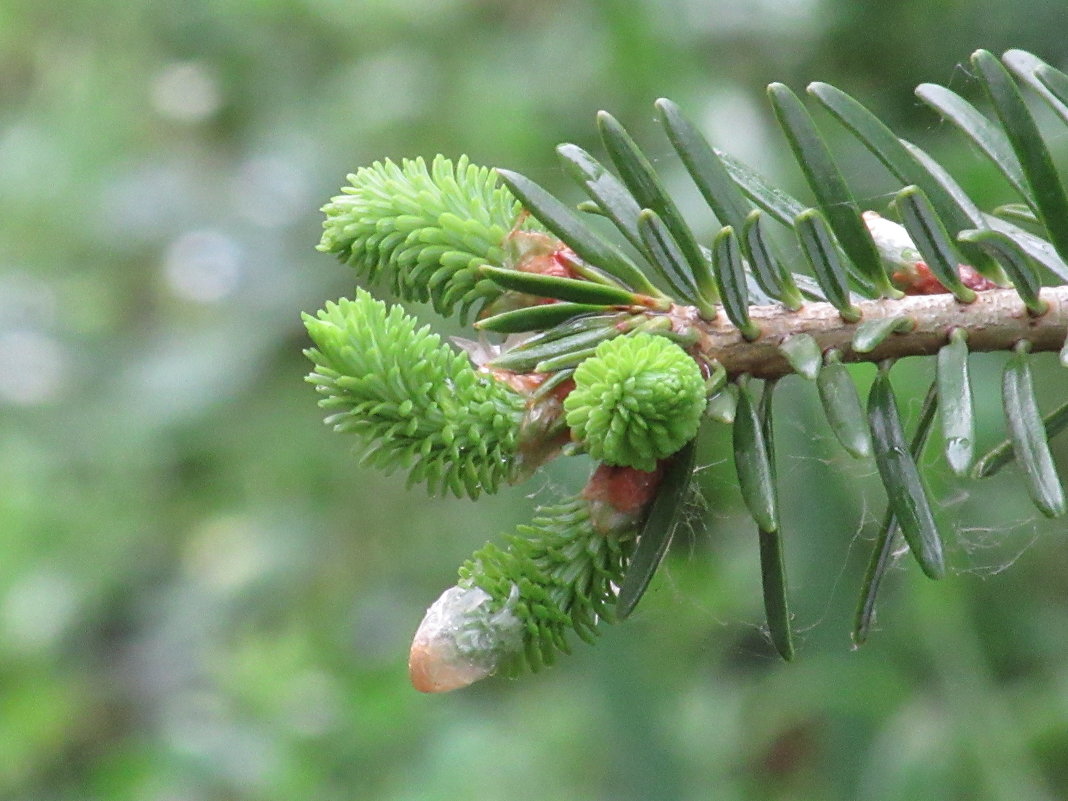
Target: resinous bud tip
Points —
{"points": [[461, 640]]}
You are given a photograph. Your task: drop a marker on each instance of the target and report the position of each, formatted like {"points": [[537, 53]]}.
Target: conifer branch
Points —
{"points": [[598, 357]]}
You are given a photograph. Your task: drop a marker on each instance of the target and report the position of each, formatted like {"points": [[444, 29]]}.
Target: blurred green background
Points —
{"points": [[203, 596]]}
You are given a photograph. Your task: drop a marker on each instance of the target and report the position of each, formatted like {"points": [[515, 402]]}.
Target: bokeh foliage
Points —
{"points": [[202, 596]]}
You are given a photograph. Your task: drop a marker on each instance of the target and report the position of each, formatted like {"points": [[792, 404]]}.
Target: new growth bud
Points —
{"points": [[426, 230], [638, 399], [896, 248], [908, 271], [462, 639]]}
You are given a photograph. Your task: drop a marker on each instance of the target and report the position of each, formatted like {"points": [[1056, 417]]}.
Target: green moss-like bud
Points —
{"points": [[638, 399], [417, 402], [426, 231]]}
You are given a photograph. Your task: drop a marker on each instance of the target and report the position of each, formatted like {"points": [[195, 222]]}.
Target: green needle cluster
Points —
{"points": [[638, 399], [426, 231], [556, 575], [416, 401]]}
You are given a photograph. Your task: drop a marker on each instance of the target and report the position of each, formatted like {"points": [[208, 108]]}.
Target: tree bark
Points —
{"points": [[997, 320]]}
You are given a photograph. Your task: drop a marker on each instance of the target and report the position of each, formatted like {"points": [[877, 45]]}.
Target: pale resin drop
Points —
{"points": [[461, 640]]}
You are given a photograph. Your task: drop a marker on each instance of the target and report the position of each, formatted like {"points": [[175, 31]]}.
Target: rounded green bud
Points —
{"points": [[638, 399]]}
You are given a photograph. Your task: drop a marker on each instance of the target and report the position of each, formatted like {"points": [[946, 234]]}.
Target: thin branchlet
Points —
{"points": [[995, 321]]}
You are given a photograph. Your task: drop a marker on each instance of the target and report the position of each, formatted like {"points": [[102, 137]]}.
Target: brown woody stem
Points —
{"points": [[997, 320]]}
